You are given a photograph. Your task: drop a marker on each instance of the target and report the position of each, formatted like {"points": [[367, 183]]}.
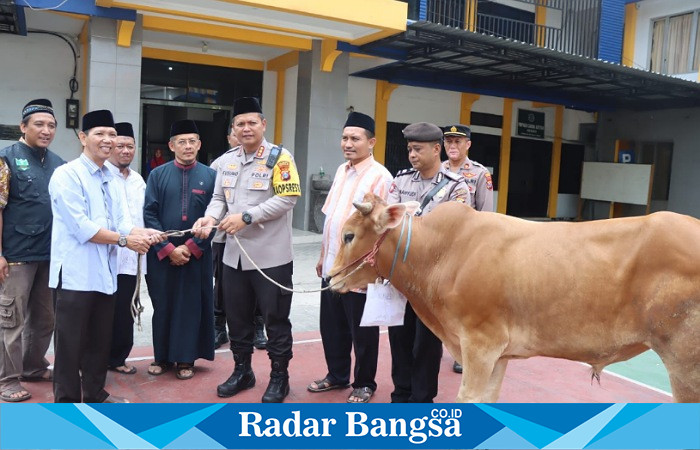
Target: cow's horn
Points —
{"points": [[364, 207]]}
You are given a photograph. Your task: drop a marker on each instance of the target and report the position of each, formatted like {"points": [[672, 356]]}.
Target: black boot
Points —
{"points": [[278, 388], [241, 378], [260, 340]]}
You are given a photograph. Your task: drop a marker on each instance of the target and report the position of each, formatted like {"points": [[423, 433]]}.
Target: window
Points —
{"points": [[674, 44]]}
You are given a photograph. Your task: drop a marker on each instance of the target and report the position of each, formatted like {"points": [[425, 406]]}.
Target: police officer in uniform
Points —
{"points": [[415, 350], [478, 178], [457, 144], [257, 185]]}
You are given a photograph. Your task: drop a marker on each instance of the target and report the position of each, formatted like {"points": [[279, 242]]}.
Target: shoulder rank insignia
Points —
{"points": [[405, 172], [452, 176]]}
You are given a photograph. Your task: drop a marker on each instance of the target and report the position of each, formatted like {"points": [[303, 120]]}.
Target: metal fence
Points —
{"points": [[573, 25]]}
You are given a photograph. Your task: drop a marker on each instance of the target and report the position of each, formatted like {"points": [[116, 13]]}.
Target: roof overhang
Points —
{"points": [[436, 56]]}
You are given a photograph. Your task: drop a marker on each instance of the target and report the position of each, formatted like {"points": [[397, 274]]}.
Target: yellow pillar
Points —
{"points": [[279, 106], [628, 37], [381, 107], [465, 109], [556, 162], [540, 21], [470, 15], [504, 164]]}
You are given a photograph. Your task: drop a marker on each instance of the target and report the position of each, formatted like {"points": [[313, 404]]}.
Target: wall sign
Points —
{"points": [[530, 123]]}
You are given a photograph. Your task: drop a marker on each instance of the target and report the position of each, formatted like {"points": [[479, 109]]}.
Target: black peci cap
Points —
{"points": [[245, 105], [357, 119], [183, 127], [124, 129], [99, 118]]}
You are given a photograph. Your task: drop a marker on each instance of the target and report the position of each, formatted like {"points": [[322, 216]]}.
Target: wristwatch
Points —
{"points": [[247, 218], [122, 241]]}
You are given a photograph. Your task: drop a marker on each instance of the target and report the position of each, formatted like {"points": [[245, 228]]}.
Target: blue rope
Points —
{"points": [[396, 253], [408, 238]]}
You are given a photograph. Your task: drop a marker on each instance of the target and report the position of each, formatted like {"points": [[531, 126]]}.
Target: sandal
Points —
{"points": [[8, 395], [157, 368], [363, 394], [325, 385], [124, 369], [47, 375], [185, 371]]}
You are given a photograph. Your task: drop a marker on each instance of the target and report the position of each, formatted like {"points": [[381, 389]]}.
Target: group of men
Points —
{"points": [[80, 230], [415, 350]]}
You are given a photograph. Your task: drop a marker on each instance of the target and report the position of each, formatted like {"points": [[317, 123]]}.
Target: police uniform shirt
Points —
{"points": [[268, 194], [478, 179], [409, 185]]}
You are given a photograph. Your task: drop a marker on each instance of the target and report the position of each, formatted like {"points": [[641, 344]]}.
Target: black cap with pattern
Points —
{"points": [[37, 106]]}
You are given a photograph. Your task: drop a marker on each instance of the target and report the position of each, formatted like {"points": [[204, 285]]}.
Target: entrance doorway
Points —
{"points": [[212, 123], [528, 183]]}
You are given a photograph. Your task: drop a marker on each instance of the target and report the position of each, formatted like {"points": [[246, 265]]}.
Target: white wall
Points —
{"points": [[38, 66], [648, 10], [289, 114]]}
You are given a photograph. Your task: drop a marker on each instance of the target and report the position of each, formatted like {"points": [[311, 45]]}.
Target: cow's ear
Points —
{"points": [[391, 217], [412, 207]]}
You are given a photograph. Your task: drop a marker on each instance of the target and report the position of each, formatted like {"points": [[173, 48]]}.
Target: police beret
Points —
{"points": [[99, 118], [422, 132], [457, 130], [37, 106], [246, 105], [183, 127], [357, 119], [124, 129]]}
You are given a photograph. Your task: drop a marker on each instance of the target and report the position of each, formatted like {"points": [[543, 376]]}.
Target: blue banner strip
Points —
{"points": [[336, 426]]}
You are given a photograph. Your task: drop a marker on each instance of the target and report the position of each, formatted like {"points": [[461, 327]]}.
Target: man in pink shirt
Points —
{"points": [[341, 313]]}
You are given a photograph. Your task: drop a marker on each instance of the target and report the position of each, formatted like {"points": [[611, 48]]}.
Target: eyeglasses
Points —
{"points": [[128, 147], [181, 142]]}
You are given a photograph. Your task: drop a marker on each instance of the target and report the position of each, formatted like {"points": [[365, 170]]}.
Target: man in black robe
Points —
{"points": [[180, 269]]}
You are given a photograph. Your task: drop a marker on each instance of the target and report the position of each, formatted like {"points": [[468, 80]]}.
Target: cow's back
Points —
{"points": [[597, 291]]}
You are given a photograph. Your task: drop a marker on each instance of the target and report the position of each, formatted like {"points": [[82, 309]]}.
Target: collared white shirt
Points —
{"points": [[350, 184], [84, 198], [134, 189]]}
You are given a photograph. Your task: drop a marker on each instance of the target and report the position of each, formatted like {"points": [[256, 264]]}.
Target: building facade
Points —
{"points": [[545, 85]]}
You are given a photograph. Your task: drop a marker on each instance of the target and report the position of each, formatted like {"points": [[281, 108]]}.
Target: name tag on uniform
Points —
{"points": [[257, 184], [385, 306]]}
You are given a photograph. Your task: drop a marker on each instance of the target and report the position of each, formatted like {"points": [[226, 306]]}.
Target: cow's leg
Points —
{"points": [[494, 385], [478, 364]]}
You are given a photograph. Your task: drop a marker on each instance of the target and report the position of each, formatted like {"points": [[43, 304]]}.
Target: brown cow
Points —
{"points": [[597, 292]]}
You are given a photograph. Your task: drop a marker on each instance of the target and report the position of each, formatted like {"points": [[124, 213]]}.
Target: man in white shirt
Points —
{"points": [[131, 184]]}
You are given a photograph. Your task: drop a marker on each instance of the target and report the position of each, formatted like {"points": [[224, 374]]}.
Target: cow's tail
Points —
{"points": [[595, 374]]}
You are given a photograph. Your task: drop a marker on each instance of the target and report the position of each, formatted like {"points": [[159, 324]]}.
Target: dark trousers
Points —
{"points": [[341, 332], [81, 342], [415, 360], [123, 324], [242, 290], [217, 254]]}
